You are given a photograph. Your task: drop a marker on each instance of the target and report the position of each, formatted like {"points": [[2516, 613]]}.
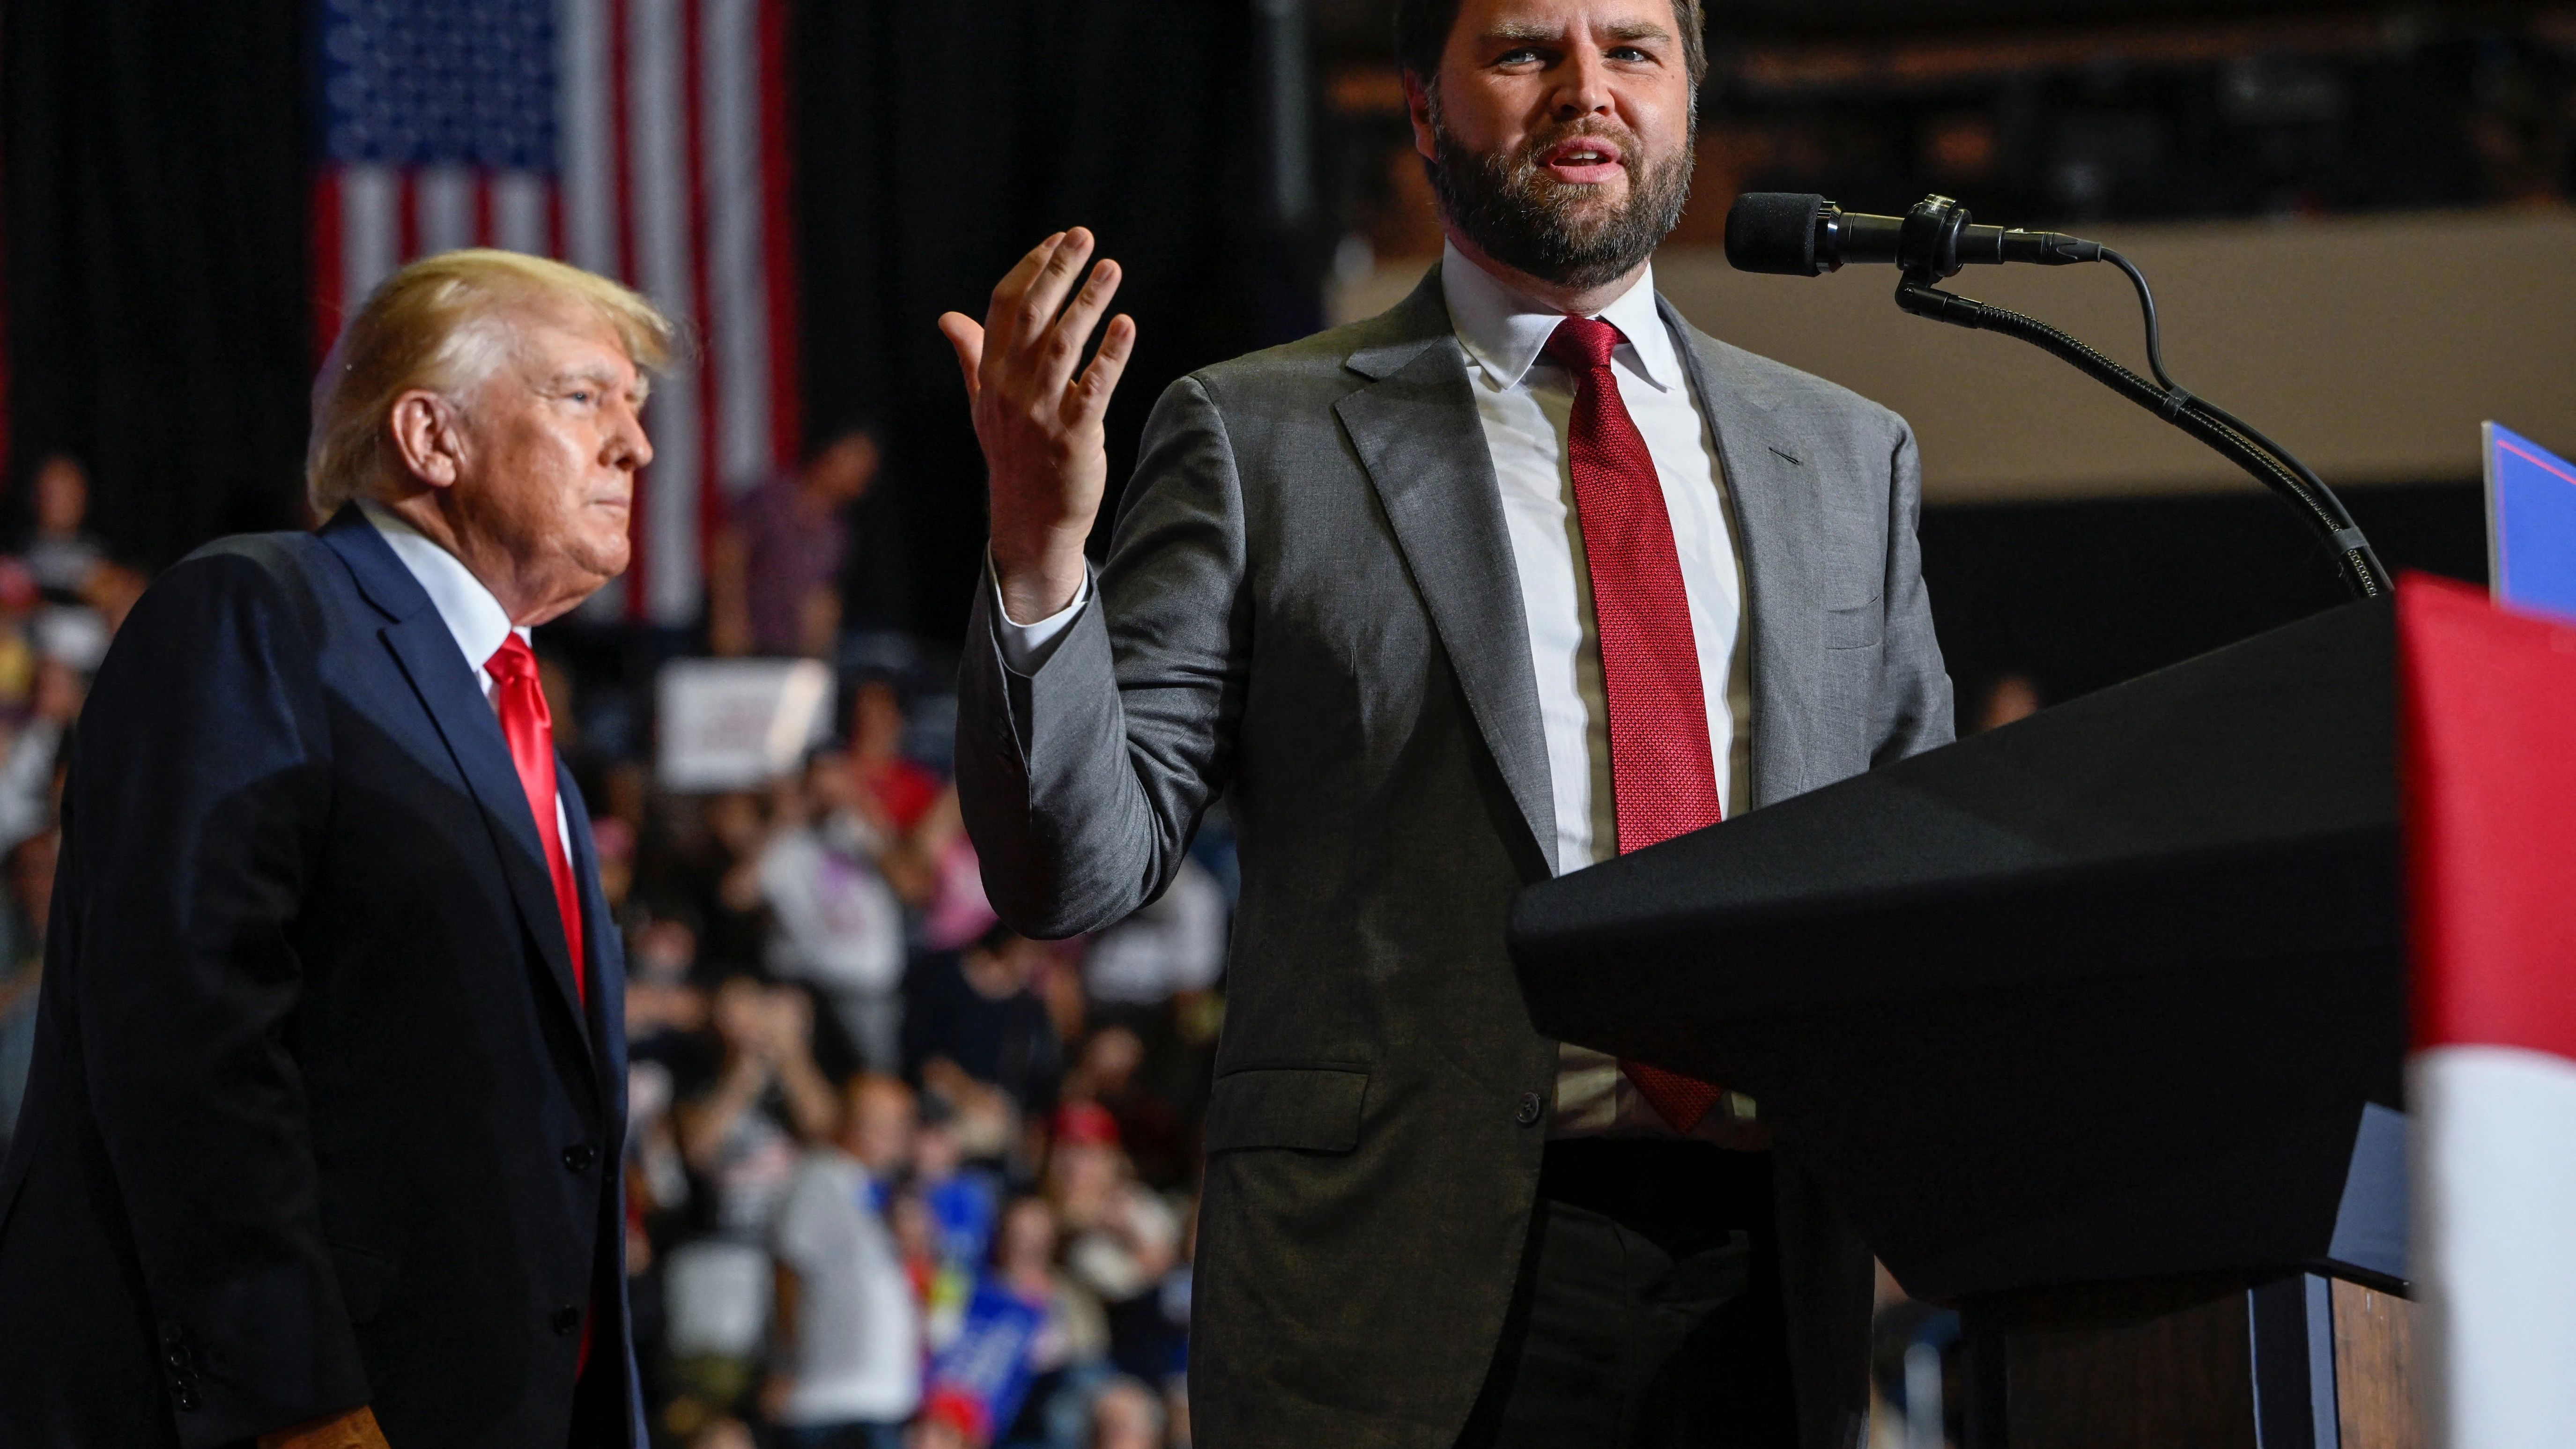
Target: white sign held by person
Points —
{"points": [[737, 724]]}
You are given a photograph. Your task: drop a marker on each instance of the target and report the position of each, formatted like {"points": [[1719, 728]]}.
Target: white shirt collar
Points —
{"points": [[471, 614], [1504, 333]]}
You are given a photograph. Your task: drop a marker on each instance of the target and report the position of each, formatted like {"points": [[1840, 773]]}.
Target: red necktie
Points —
{"points": [[1662, 777], [530, 728]]}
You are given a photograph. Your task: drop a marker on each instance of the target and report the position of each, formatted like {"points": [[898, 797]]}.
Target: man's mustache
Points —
{"points": [[1631, 150]]}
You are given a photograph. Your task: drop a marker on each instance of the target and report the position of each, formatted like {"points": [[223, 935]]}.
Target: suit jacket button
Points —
{"points": [[1528, 1113], [186, 1399], [578, 1157], [565, 1321]]}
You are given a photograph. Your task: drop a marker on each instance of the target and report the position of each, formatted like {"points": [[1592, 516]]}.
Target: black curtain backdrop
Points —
{"points": [[155, 155], [940, 142]]}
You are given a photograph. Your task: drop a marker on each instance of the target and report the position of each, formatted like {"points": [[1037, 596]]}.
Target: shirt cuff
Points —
{"points": [[1027, 647]]}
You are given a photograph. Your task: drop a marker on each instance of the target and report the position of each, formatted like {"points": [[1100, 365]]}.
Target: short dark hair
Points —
{"points": [[1422, 32]]}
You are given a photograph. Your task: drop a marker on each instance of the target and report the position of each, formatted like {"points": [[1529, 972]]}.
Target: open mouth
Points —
{"points": [[1581, 160]]}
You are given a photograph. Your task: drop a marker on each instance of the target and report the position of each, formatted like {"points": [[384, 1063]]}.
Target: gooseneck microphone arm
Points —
{"points": [[1808, 236]]}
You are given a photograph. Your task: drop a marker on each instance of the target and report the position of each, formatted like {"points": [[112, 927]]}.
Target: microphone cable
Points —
{"points": [[2362, 561]]}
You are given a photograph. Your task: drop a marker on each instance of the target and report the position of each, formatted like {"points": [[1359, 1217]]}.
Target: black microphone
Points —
{"points": [[1801, 234]]}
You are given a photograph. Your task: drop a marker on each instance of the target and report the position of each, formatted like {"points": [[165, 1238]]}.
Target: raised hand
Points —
{"points": [[1038, 415]]}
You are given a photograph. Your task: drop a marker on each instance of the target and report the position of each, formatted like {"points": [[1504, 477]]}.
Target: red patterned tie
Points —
{"points": [[1662, 776], [530, 728]]}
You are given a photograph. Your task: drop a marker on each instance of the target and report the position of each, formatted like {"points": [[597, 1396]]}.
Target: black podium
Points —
{"points": [[2093, 1025]]}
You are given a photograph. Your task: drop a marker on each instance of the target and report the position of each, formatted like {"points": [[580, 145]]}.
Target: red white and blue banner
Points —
{"points": [[2490, 778], [645, 140]]}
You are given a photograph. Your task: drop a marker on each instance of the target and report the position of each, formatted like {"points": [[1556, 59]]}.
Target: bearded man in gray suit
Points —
{"points": [[1520, 574]]}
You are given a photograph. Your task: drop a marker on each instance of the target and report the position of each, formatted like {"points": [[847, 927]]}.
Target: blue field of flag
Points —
{"points": [[2531, 523]]}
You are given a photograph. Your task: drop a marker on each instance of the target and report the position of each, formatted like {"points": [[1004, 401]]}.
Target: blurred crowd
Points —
{"points": [[896, 1176], [61, 599], [899, 1176]]}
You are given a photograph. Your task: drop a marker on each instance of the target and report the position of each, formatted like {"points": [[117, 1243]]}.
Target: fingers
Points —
{"points": [[1006, 295], [1061, 351], [1031, 343], [1045, 293], [1090, 397], [968, 339]]}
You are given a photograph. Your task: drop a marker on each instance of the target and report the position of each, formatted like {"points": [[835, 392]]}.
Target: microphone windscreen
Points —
{"points": [[1774, 232]]}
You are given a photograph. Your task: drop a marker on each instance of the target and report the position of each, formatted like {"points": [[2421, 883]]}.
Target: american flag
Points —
{"points": [[645, 140]]}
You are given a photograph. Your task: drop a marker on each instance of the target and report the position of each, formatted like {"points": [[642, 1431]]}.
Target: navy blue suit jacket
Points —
{"points": [[317, 1116]]}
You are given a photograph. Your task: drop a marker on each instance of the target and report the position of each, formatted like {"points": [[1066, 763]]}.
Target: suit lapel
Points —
{"points": [[607, 995], [1767, 496], [1417, 435], [439, 675]]}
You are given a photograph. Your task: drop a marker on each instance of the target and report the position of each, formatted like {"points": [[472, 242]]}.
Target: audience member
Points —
{"points": [[962, 1201], [981, 1015], [846, 1358], [773, 582], [1121, 1238], [65, 557], [893, 792], [31, 758], [834, 922], [1125, 1415], [741, 1137], [1028, 1337], [940, 1284]]}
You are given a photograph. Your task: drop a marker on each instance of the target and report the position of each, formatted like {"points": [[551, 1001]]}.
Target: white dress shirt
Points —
{"points": [[471, 614], [1523, 402]]}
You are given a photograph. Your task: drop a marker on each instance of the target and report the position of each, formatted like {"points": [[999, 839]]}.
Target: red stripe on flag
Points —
{"points": [[2490, 796], [483, 208], [324, 241], [407, 212], [621, 159], [779, 240], [693, 89]]}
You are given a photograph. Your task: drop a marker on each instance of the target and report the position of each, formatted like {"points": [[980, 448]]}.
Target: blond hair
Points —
{"points": [[441, 324]]}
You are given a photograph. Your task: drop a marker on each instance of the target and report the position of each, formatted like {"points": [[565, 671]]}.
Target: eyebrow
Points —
{"points": [[1530, 30], [603, 380]]}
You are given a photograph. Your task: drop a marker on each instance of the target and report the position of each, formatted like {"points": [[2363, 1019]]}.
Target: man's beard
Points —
{"points": [[1522, 217]]}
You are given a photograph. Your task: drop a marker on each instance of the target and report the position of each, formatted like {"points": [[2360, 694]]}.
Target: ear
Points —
{"points": [[427, 438], [1417, 109]]}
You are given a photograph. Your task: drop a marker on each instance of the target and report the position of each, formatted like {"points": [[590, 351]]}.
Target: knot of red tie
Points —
{"points": [[513, 662], [1583, 343]]}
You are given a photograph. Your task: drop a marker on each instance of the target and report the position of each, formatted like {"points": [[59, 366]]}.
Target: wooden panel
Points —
{"points": [[2374, 1396], [2145, 1365]]}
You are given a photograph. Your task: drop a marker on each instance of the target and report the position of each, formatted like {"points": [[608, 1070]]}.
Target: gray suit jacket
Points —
{"points": [[1311, 606]]}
